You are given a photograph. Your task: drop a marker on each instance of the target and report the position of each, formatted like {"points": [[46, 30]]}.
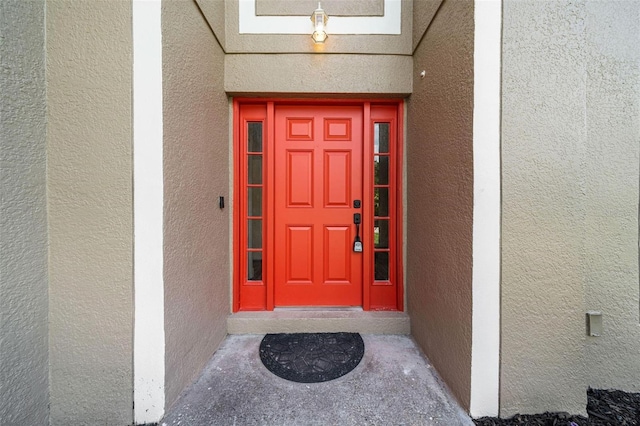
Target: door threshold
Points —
{"points": [[318, 321], [318, 309]]}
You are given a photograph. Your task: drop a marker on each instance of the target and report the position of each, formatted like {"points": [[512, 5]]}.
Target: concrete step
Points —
{"points": [[318, 321]]}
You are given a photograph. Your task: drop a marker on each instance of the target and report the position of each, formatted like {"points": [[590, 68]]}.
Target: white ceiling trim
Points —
{"points": [[389, 24]]}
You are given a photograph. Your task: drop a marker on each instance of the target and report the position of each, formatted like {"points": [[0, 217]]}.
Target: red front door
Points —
{"points": [[318, 177], [303, 168]]}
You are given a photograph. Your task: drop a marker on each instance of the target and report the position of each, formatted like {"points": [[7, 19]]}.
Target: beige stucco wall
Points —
{"points": [[610, 170], [24, 363], [570, 201], [214, 12], [543, 146], [322, 74], [570, 187], [196, 173], [291, 65], [423, 13], [302, 43], [571, 142], [337, 7], [89, 62], [439, 145]]}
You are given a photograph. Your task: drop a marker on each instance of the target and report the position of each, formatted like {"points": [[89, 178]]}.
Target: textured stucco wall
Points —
{"points": [[440, 195], [24, 364], [196, 173], [90, 211], [337, 7], [392, 44], [300, 74], [610, 168], [423, 13], [544, 149], [214, 12]]}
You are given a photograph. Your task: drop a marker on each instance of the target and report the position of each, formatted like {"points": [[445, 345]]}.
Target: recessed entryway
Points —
{"points": [[393, 384], [318, 204]]}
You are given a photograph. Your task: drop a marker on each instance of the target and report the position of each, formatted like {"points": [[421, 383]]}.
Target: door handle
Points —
{"points": [[357, 243]]}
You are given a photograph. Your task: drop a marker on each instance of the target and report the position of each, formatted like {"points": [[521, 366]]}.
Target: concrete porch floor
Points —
{"points": [[394, 384]]}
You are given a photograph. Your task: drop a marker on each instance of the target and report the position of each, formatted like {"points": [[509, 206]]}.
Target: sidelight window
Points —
{"points": [[381, 201], [255, 204]]}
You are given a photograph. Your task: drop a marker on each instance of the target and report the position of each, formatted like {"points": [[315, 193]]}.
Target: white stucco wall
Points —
{"points": [[485, 348], [24, 364], [570, 143], [148, 339]]}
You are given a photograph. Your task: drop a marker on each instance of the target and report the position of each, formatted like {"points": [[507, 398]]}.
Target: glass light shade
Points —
{"points": [[319, 19], [319, 36]]}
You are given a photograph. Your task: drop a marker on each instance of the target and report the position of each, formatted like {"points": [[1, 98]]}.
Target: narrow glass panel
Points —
{"points": [[254, 233], [381, 271], [381, 202], [255, 168], [254, 136], [254, 201], [381, 233], [381, 137], [381, 169], [254, 266]]}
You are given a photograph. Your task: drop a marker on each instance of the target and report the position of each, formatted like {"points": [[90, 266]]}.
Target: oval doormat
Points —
{"points": [[311, 357]]}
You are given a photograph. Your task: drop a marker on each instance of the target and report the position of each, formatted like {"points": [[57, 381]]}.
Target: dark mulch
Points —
{"points": [[604, 407]]}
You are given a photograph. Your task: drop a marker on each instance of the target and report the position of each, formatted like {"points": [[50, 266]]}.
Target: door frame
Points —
{"points": [[259, 295]]}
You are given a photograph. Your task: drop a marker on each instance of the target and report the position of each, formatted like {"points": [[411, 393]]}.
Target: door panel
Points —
{"points": [[318, 175], [337, 171], [337, 247], [300, 166], [299, 259]]}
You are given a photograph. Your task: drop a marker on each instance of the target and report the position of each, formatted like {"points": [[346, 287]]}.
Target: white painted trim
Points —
{"points": [[149, 345], [485, 349], [390, 23]]}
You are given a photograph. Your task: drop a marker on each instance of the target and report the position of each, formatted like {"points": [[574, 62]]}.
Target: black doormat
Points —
{"points": [[311, 357]]}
